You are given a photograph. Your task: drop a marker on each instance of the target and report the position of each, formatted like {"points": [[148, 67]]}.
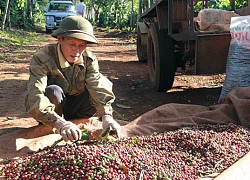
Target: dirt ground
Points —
{"points": [[118, 61]]}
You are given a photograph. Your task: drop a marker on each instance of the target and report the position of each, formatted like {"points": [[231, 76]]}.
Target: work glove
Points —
{"points": [[67, 129], [108, 123]]}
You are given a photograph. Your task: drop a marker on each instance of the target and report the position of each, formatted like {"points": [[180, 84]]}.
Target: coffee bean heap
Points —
{"points": [[188, 153]]}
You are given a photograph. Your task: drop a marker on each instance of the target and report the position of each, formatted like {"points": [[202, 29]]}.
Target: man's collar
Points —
{"points": [[63, 62]]}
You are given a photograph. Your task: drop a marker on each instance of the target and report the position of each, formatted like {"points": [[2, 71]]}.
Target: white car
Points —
{"points": [[56, 12]]}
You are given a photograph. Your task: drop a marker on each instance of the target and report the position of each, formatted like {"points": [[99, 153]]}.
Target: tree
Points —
{"points": [[5, 14], [114, 14]]}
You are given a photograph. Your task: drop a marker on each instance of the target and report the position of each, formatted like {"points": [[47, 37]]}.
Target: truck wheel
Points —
{"points": [[161, 62], [141, 47], [48, 31]]}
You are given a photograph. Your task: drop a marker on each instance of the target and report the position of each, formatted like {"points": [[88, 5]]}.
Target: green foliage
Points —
{"points": [[119, 14], [22, 14], [240, 4], [18, 38], [39, 13], [114, 14], [222, 4], [16, 14]]}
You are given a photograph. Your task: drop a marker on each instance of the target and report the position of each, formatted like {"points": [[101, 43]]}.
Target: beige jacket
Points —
{"points": [[46, 69]]}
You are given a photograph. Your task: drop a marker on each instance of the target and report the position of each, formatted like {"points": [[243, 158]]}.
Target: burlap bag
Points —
{"points": [[164, 118], [214, 20]]}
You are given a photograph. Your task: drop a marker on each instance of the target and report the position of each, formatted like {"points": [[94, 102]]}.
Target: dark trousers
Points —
{"points": [[68, 106]]}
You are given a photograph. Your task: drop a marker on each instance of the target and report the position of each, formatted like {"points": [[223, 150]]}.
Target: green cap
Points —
{"points": [[76, 27]]}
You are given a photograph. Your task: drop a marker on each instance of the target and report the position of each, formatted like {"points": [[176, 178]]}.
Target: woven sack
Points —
{"points": [[238, 61]]}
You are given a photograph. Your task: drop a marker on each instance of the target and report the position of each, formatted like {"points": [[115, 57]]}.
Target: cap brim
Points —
{"points": [[76, 35]]}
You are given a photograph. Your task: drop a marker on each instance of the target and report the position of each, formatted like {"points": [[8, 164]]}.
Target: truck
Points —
{"points": [[168, 38], [56, 12]]}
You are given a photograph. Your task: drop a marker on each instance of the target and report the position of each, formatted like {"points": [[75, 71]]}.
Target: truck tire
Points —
{"points": [[48, 31], [141, 48], [160, 55]]}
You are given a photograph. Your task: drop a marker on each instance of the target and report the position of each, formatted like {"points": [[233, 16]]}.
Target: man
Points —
{"points": [[81, 8], [65, 82]]}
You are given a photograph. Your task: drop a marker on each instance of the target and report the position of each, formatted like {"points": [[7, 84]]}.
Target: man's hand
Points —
{"points": [[107, 122], [68, 130]]}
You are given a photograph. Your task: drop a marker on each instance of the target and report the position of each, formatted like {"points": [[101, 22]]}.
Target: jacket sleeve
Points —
{"points": [[99, 87], [37, 104]]}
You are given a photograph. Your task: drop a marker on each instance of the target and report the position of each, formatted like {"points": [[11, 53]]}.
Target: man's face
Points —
{"points": [[72, 48]]}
